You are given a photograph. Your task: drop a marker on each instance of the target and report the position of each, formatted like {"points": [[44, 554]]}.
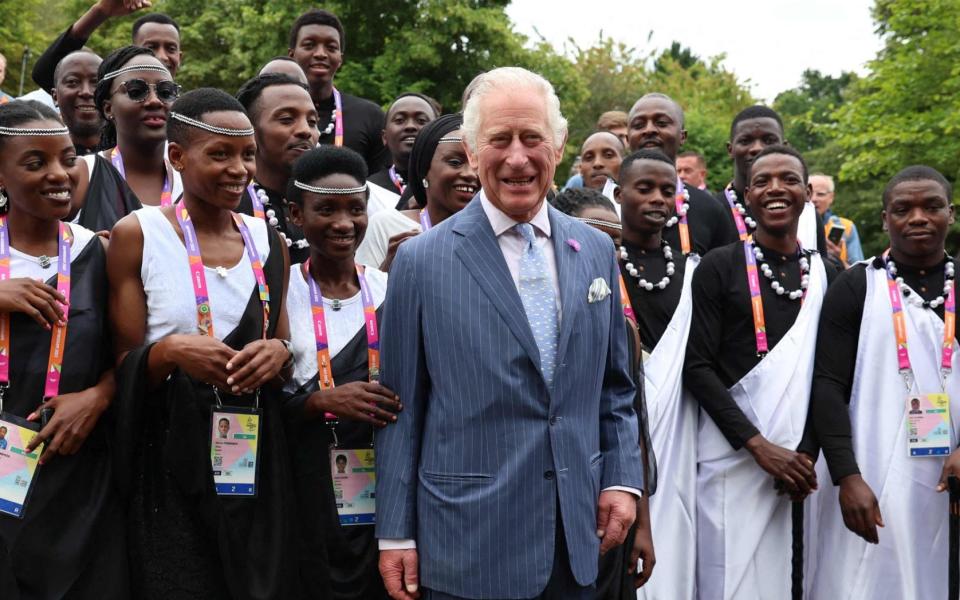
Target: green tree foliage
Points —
{"points": [[26, 24], [807, 110]]}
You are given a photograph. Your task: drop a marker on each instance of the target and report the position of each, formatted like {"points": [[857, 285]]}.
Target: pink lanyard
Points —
{"points": [[425, 223], [756, 300], [199, 278], [397, 183], [166, 194], [58, 339], [338, 127], [257, 204], [900, 325], [731, 196]]}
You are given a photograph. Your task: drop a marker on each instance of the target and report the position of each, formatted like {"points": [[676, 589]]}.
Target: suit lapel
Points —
{"points": [[480, 253], [567, 269]]}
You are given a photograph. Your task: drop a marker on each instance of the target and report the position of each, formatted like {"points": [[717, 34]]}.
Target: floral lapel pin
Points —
{"points": [[574, 244]]}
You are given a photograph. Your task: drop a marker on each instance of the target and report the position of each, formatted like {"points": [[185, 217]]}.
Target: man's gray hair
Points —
{"points": [[827, 178], [504, 79]]}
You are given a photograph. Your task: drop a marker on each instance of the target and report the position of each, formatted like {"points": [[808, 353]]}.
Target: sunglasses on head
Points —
{"points": [[138, 90]]}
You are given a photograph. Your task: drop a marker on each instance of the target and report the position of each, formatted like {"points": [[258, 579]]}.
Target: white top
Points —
{"points": [[381, 199], [342, 324], [380, 228], [165, 272], [26, 265]]}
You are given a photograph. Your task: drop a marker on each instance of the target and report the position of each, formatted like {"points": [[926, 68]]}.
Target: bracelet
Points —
{"points": [[289, 362]]}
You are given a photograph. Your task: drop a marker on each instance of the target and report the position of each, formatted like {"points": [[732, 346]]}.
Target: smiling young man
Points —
{"points": [[317, 42], [600, 158], [749, 364], [75, 81], [656, 121], [884, 525], [657, 278], [155, 31], [405, 118], [285, 125]]}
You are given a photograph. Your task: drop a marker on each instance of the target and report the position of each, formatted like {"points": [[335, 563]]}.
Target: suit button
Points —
{"points": [[548, 475]]}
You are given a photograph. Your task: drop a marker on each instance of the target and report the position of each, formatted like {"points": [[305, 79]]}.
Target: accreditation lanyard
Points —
{"points": [[324, 370], [731, 196], [258, 210], [166, 194], [397, 182], [756, 300], [625, 301], [58, 339], [680, 199], [338, 124], [199, 278], [900, 327], [425, 223]]}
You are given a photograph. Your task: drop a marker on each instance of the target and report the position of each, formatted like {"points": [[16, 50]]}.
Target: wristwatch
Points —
{"points": [[289, 346]]}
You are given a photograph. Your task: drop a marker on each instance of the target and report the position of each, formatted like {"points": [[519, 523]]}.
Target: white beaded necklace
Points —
{"points": [[915, 299], [682, 211], [331, 124], [274, 221], [740, 208], [643, 283], [774, 283]]}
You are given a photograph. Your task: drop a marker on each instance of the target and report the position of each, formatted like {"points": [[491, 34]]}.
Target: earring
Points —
{"points": [[3, 198], [425, 183]]}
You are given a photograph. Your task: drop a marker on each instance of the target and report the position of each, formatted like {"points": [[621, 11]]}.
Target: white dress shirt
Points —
{"points": [[513, 245]]}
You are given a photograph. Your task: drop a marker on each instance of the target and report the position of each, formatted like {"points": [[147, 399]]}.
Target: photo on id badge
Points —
{"points": [[928, 425], [354, 485], [18, 469], [234, 448]]}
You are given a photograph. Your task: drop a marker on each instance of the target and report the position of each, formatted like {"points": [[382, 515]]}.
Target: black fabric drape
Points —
{"points": [[71, 540], [109, 198], [185, 541]]}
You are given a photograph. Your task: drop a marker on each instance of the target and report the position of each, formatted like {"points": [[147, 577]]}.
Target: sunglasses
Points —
{"points": [[138, 90]]}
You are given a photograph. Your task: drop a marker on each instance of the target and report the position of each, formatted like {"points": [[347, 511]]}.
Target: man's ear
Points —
{"points": [[683, 137], [290, 53], [729, 149], [616, 194], [471, 156], [53, 94], [883, 220], [176, 155], [809, 190], [296, 214], [952, 214]]}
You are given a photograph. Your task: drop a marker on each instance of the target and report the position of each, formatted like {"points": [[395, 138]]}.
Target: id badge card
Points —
{"points": [[354, 485], [234, 450], [928, 424], [18, 469]]}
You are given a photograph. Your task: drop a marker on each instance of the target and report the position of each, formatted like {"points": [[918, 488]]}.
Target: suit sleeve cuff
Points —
{"points": [[387, 544], [618, 488]]}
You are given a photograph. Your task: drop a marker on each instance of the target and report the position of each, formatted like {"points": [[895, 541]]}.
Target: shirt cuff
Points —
{"points": [[622, 488], [387, 544]]}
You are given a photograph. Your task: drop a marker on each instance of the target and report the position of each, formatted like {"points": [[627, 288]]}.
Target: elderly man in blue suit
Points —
{"points": [[515, 462]]}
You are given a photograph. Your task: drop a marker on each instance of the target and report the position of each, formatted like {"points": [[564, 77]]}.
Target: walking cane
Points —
{"points": [[953, 569], [796, 575]]}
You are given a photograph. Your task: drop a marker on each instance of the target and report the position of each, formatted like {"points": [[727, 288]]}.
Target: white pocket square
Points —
{"points": [[598, 290]]}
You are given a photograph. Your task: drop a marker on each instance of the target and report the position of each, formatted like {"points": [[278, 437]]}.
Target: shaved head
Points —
{"points": [[677, 109]]}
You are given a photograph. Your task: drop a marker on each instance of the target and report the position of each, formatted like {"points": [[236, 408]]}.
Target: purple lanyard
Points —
{"points": [[166, 194], [257, 204], [425, 223], [397, 183], [338, 128]]}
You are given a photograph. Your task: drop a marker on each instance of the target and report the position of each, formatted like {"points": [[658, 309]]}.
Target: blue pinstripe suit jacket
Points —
{"points": [[475, 463]]}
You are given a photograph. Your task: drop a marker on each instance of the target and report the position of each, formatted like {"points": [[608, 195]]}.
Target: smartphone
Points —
{"points": [[836, 234]]}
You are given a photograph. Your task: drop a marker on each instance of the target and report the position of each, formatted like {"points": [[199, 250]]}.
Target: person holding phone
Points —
{"points": [[843, 240]]}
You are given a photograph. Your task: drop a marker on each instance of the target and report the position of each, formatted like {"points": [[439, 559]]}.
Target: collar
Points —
{"points": [[501, 222]]}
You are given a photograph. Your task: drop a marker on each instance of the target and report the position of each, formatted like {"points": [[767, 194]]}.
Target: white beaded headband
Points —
{"points": [[211, 128], [124, 70], [450, 140], [33, 131], [326, 190], [600, 223]]}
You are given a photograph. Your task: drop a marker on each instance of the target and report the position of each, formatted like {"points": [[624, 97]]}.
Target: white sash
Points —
{"points": [[807, 227], [743, 527], [911, 559], [608, 189], [673, 431]]}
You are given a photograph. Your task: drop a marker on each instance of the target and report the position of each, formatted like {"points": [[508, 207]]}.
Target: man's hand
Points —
{"points": [[861, 512], [793, 468], [616, 512], [120, 8], [950, 467], [642, 546], [393, 245], [399, 571]]}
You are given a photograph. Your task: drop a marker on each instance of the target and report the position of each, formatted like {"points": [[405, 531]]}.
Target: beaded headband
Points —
{"points": [[599, 223], [450, 140], [32, 131], [326, 190], [211, 128], [124, 70]]}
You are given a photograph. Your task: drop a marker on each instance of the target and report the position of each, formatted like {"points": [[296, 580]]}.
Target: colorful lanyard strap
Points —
{"points": [[731, 196], [58, 339], [425, 223], [255, 201], [338, 119], [756, 300], [199, 278], [900, 326], [324, 369], [166, 194], [395, 178], [682, 203]]}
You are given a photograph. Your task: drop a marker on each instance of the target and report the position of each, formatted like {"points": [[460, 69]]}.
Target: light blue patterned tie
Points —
{"points": [[539, 302]]}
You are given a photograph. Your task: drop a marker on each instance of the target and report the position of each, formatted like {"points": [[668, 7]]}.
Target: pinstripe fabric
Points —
{"points": [[483, 449]]}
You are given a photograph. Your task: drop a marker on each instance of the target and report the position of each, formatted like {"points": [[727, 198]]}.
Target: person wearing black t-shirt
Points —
{"points": [[317, 43], [75, 81], [285, 122], [884, 528], [749, 363], [656, 121], [753, 129], [657, 279], [408, 114]]}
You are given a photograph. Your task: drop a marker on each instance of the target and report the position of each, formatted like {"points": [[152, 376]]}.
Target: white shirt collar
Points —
{"points": [[501, 222]]}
